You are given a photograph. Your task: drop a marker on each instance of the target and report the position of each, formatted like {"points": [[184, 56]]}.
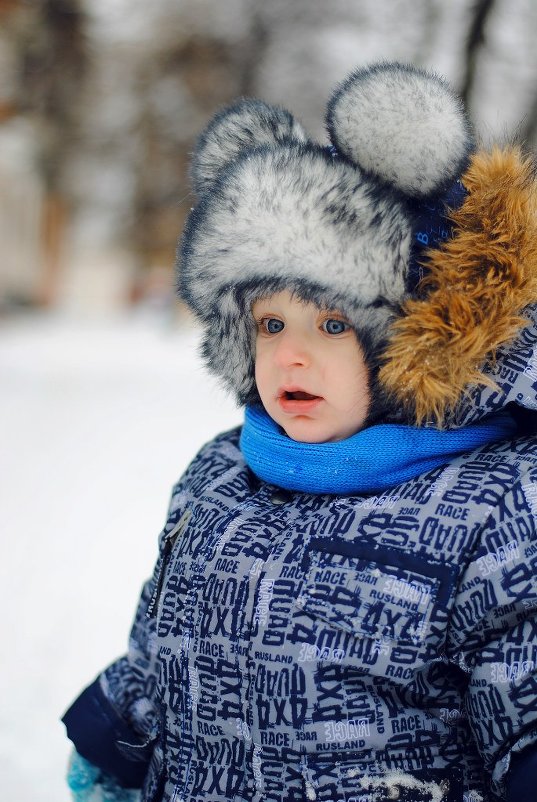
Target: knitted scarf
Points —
{"points": [[372, 460]]}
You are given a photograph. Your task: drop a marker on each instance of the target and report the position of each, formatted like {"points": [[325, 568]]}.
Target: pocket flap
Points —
{"points": [[374, 592]]}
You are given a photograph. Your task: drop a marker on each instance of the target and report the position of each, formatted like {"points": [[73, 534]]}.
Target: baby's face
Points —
{"points": [[309, 369]]}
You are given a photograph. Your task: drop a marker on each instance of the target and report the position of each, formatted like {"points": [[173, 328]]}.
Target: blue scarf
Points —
{"points": [[369, 461]]}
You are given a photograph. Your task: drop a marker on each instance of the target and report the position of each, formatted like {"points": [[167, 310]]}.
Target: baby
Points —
{"points": [[344, 602]]}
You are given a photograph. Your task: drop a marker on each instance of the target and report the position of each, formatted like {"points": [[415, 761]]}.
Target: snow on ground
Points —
{"points": [[97, 421]]}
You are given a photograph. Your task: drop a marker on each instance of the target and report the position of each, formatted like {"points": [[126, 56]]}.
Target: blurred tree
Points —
{"points": [[49, 60], [475, 39], [54, 61]]}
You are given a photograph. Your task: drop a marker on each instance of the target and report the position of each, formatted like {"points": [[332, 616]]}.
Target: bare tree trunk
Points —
{"points": [[54, 59], [53, 231], [474, 42]]}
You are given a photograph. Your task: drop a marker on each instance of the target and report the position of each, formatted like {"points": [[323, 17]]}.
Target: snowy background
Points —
{"points": [[98, 420]]}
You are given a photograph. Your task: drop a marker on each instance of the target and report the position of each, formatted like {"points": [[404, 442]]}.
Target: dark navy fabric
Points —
{"points": [[104, 738], [432, 227], [522, 778], [294, 646]]}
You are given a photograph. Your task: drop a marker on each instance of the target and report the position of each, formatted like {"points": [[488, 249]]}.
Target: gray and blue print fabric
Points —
{"points": [[293, 646]]}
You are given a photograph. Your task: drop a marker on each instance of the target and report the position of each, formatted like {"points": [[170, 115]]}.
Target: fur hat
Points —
{"points": [[334, 225]]}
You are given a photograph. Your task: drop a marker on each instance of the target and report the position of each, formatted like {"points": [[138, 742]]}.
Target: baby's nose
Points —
{"points": [[293, 349]]}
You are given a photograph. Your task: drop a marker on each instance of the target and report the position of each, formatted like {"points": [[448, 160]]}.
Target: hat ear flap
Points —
{"points": [[403, 125], [236, 129]]}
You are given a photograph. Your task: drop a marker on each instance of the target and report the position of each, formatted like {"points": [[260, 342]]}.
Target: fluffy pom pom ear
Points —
{"points": [[246, 125], [402, 124]]}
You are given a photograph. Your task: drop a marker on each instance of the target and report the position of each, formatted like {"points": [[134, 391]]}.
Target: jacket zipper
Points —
{"points": [[169, 542]]}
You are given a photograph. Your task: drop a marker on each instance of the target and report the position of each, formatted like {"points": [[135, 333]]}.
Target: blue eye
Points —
{"points": [[273, 325], [334, 326]]}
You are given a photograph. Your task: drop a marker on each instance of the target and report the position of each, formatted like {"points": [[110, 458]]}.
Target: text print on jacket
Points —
{"points": [[311, 647]]}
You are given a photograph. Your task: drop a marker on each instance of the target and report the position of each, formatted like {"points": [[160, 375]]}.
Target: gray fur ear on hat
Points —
{"points": [[248, 124], [402, 124]]}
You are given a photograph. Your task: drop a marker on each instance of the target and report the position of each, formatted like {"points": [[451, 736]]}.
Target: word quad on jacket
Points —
{"points": [[293, 646]]}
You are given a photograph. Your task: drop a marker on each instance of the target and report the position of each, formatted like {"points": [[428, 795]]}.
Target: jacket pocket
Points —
{"points": [[374, 592]]}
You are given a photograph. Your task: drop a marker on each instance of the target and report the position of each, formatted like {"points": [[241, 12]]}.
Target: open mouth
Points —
{"points": [[298, 402], [299, 395]]}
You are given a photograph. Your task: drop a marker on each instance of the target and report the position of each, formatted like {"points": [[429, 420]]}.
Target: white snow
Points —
{"points": [[388, 786], [97, 421]]}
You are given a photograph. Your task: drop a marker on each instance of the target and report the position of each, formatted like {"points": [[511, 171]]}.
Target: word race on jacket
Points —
{"points": [[351, 645], [295, 646]]}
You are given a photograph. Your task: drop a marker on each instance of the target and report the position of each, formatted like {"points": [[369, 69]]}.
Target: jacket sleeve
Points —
{"points": [[493, 632], [115, 721]]}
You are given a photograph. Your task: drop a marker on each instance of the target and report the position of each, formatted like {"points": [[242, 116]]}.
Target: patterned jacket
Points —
{"points": [[312, 647]]}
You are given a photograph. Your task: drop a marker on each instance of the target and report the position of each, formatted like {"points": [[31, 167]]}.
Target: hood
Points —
{"points": [[467, 346], [513, 382]]}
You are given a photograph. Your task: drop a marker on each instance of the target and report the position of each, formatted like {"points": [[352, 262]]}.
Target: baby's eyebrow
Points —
{"points": [[334, 313]]}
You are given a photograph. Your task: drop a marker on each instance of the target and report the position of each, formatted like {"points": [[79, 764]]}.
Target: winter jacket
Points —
{"points": [[313, 647]]}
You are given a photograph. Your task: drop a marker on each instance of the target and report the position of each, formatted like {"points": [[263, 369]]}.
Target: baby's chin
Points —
{"points": [[314, 434]]}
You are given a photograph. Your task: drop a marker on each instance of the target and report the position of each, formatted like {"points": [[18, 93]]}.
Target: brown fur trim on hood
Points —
{"points": [[478, 284]]}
